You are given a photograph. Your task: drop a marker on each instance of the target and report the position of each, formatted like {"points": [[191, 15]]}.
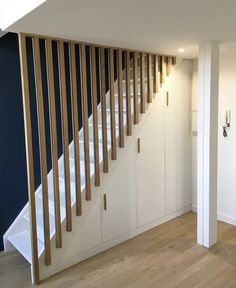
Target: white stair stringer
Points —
{"points": [[18, 235]]}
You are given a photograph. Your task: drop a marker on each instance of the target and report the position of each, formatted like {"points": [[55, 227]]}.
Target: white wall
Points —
{"points": [[194, 134], [226, 146]]}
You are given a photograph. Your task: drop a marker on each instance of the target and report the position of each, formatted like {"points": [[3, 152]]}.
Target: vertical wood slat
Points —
{"points": [[168, 66], [103, 109], [42, 146], [120, 100], [128, 97], [135, 88], [173, 60], [85, 121], [29, 155], [65, 137], [150, 82], [75, 126], [95, 116], [112, 104], [156, 80], [143, 92], [53, 133], [162, 70]]}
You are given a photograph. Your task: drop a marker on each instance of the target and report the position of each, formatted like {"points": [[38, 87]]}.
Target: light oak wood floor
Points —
{"points": [[166, 256]]}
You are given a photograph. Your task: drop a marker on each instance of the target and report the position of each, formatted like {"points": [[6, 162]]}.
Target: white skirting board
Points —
{"points": [[221, 217], [109, 244]]}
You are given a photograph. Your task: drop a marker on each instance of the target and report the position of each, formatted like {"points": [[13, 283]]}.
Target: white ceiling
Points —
{"points": [[152, 25]]}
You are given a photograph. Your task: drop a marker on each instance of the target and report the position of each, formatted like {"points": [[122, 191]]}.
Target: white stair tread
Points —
{"points": [[52, 210], [131, 80], [124, 94], [62, 196], [22, 242], [40, 226]]}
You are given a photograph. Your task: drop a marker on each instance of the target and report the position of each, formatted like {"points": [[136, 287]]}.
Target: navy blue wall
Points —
{"points": [[13, 183], [13, 180]]}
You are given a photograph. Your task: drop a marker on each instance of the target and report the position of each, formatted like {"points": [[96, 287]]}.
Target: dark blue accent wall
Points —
{"points": [[13, 177], [13, 181]]}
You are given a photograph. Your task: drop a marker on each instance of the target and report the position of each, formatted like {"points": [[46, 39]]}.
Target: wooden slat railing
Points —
{"points": [[75, 124], [54, 147], [128, 97], [112, 104], [156, 76], [120, 100], [95, 116], [135, 88], [62, 66], [150, 81], [85, 122], [42, 147], [65, 136], [168, 66], [103, 110], [143, 92], [29, 155]]}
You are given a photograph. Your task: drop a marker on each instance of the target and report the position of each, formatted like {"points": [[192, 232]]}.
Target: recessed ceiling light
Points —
{"points": [[181, 50]]}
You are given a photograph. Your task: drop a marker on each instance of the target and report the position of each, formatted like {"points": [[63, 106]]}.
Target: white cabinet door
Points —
{"points": [[178, 140], [120, 191], [150, 168]]}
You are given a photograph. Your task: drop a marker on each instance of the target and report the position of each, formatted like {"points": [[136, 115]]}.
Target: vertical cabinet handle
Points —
{"points": [[139, 146], [167, 98], [105, 201]]}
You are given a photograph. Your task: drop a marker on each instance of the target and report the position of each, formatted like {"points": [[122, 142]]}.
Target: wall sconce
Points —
{"points": [[227, 122]]}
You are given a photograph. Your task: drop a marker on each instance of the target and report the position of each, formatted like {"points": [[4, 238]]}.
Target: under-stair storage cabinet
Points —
{"points": [[150, 167], [178, 140], [118, 199]]}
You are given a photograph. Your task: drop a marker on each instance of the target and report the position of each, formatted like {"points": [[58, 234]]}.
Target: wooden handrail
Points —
{"points": [[29, 155]]}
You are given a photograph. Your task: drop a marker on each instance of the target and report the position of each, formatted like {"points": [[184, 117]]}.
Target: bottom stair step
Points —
{"points": [[22, 242]]}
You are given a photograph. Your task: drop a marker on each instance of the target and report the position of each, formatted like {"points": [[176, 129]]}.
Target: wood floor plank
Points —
{"points": [[166, 256]]}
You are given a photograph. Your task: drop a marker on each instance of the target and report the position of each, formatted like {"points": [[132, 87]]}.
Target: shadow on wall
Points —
{"points": [[13, 183]]}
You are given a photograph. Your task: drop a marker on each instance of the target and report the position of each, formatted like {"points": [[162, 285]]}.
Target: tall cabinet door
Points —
{"points": [[119, 209], [150, 167], [178, 140]]}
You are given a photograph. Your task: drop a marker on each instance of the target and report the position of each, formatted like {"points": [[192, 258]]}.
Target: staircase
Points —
{"points": [[86, 158]]}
